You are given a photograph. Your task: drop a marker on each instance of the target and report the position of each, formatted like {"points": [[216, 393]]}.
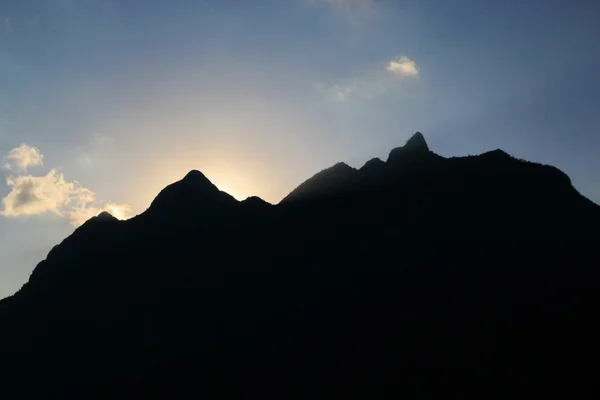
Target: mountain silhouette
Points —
{"points": [[365, 275], [415, 147]]}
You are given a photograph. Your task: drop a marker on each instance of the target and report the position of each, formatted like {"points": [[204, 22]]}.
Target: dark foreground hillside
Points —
{"points": [[358, 275]]}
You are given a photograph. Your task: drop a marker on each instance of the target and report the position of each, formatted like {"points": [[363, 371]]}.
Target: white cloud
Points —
{"points": [[52, 193], [372, 84], [24, 157], [403, 66], [31, 195]]}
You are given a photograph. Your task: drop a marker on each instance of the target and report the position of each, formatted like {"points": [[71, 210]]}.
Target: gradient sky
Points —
{"points": [[105, 102]]}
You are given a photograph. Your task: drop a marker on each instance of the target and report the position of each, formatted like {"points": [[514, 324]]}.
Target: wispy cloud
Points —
{"points": [[50, 193], [358, 88], [23, 157], [343, 92], [403, 66], [373, 83]]}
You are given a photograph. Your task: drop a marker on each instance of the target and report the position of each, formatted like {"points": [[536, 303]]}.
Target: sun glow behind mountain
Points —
{"points": [[238, 175]]}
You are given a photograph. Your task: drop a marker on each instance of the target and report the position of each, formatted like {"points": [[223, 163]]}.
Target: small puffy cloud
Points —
{"points": [[403, 66], [52, 193], [23, 157], [372, 84]]}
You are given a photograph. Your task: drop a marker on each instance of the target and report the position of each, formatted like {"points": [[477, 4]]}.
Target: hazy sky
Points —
{"points": [[105, 102]]}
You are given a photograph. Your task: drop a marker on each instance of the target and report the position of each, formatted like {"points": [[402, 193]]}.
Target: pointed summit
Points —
{"points": [[373, 167], [415, 146], [105, 215], [256, 203], [196, 177], [373, 163], [417, 142], [193, 190], [98, 225]]}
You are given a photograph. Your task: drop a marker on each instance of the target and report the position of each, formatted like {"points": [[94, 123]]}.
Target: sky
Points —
{"points": [[105, 102]]}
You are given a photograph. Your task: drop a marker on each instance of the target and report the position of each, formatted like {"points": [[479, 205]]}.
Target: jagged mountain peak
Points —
{"points": [[103, 218], [415, 146], [195, 174], [417, 141], [255, 202], [195, 189], [339, 167], [373, 163], [105, 215], [197, 178]]}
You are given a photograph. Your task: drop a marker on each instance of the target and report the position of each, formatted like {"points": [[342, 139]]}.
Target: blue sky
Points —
{"points": [[105, 102]]}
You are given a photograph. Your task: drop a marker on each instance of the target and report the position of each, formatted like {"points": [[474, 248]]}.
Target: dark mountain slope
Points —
{"points": [[328, 182], [358, 275]]}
